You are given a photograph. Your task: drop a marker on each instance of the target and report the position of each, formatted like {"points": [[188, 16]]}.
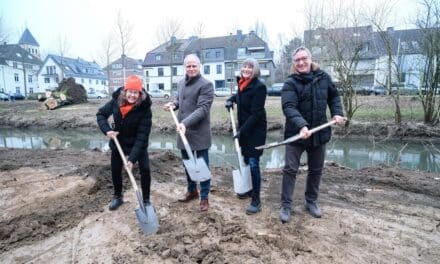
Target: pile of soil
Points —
{"points": [[54, 210]]}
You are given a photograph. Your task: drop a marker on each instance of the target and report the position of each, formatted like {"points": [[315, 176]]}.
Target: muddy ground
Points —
{"points": [[53, 206], [54, 210]]}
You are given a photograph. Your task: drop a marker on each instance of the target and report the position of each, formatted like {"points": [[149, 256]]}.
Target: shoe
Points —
{"points": [[313, 209], [147, 203], [115, 203], [189, 196], [285, 215], [204, 205], [244, 195], [253, 209]]}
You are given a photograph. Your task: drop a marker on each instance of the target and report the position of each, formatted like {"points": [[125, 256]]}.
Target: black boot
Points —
{"points": [[115, 203]]}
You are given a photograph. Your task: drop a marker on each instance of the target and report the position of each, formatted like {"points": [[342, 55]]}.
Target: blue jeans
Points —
{"points": [[192, 185], [254, 165]]}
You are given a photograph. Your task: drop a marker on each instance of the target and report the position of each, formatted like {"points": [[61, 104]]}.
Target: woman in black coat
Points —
{"points": [[250, 100], [131, 109]]}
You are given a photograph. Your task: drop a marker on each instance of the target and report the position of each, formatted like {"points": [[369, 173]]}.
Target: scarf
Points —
{"points": [[243, 83], [125, 109]]}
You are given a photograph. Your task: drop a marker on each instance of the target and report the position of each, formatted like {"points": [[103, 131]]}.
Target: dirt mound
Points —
{"points": [[54, 209]]}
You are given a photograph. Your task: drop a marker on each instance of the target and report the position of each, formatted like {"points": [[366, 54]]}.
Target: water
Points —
{"points": [[347, 152]]}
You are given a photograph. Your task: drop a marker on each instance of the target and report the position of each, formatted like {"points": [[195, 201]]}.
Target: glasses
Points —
{"points": [[297, 60]]}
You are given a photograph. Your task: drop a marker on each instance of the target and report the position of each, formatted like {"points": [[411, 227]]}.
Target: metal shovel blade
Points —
{"points": [[197, 169], [242, 180], [146, 216]]}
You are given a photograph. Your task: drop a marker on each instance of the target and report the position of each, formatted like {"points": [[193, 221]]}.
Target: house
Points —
{"points": [[118, 70], [365, 54], [221, 59], [18, 70], [55, 68]]}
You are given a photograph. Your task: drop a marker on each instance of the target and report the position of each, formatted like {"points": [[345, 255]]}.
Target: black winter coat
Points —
{"points": [[252, 122], [304, 100], [134, 129]]}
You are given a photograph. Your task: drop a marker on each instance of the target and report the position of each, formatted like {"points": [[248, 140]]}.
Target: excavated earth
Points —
{"points": [[53, 207]]}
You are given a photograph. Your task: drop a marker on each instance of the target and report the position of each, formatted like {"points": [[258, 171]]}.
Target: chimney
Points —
{"points": [[239, 35]]}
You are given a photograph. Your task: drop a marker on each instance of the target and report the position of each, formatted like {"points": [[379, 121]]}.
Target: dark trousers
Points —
{"points": [[254, 165], [315, 162], [144, 168], [192, 185]]}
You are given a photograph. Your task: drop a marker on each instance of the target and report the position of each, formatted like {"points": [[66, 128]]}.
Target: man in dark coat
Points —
{"points": [[304, 98], [131, 110], [195, 95]]}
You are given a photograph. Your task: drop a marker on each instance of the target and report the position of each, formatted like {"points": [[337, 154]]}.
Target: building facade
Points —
{"points": [[221, 59], [19, 65], [366, 55], [118, 71], [55, 68]]}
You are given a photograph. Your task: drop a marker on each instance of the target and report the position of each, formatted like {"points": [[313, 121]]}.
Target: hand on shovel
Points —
{"points": [[169, 106], [129, 166], [112, 134], [181, 127]]}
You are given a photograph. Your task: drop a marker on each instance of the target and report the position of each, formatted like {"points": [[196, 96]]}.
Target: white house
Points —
{"points": [[88, 74], [19, 64]]}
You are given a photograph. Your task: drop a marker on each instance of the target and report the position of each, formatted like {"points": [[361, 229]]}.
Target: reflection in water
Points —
{"points": [[350, 153]]}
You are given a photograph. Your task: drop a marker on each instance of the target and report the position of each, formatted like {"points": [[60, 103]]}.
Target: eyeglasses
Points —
{"points": [[297, 60]]}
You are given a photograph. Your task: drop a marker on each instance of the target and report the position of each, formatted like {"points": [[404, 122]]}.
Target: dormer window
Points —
{"points": [[158, 57], [317, 37], [356, 34]]}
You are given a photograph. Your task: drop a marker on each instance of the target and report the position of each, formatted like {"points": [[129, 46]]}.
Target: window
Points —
{"points": [[158, 58], [241, 52], [219, 69], [50, 70], [14, 65], [17, 90], [29, 78], [16, 77], [217, 54], [206, 69], [46, 80], [147, 73], [117, 66], [97, 81], [160, 86], [90, 81], [31, 90], [174, 71], [160, 72], [82, 80], [174, 86]]}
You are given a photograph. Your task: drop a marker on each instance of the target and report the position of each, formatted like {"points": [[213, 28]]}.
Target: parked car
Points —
{"points": [[18, 96], [379, 90], [159, 94], [275, 89], [223, 91], [96, 95], [4, 97]]}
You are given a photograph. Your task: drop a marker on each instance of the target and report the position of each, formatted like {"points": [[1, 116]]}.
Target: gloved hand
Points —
{"points": [[236, 136], [229, 105]]}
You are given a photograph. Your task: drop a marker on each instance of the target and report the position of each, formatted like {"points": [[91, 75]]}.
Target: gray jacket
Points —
{"points": [[194, 100]]}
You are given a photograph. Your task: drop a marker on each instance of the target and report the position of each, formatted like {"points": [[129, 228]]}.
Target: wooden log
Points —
{"points": [[51, 103]]}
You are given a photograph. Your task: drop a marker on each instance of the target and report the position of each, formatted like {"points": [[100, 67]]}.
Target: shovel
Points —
{"points": [[146, 215], [197, 169], [296, 137], [242, 176]]}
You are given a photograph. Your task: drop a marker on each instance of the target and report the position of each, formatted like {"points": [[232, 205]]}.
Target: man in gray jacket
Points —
{"points": [[195, 95]]}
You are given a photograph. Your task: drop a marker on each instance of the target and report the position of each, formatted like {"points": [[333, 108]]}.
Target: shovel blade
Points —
{"points": [[198, 171], [147, 219], [242, 180]]}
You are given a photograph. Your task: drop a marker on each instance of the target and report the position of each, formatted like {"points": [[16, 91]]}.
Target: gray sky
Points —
{"points": [[84, 23]]}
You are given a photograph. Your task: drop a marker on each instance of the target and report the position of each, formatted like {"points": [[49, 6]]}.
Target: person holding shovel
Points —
{"points": [[194, 98], [304, 99], [131, 109], [252, 124]]}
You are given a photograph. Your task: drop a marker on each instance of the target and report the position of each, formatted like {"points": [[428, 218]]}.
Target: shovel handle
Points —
{"points": [[182, 136], [124, 159]]}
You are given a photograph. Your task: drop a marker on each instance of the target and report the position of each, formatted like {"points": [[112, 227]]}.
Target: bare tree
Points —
{"points": [[169, 32], [338, 50], [3, 33], [379, 17], [198, 31], [63, 49], [428, 22], [107, 54], [125, 34], [260, 30]]}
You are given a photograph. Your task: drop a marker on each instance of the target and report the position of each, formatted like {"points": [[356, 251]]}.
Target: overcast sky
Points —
{"points": [[84, 23]]}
